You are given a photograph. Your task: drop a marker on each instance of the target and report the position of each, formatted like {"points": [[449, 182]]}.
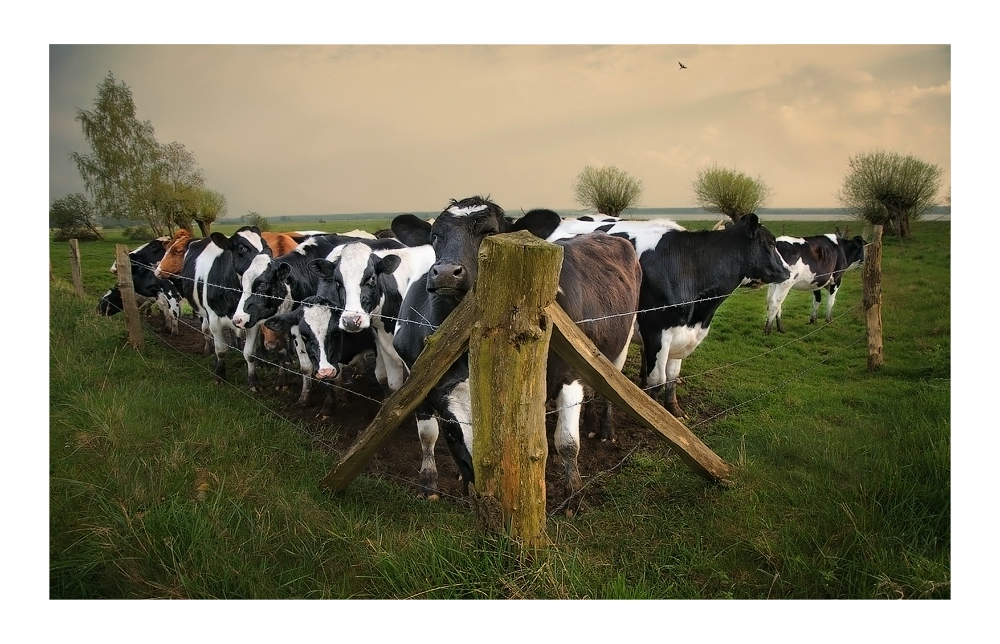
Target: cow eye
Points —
{"points": [[434, 238]]}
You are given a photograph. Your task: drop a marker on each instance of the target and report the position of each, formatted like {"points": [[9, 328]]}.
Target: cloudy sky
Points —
{"points": [[301, 130]]}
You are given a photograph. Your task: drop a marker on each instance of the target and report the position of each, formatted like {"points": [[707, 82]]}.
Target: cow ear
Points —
{"points": [[220, 240], [387, 264], [753, 224], [540, 223], [411, 230], [323, 268], [282, 270]]}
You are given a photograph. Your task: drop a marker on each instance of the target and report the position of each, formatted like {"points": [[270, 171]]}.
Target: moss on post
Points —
{"points": [[508, 350]]}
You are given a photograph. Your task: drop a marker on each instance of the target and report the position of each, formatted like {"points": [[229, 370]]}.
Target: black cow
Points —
{"points": [[815, 263], [165, 293], [686, 276], [609, 295]]}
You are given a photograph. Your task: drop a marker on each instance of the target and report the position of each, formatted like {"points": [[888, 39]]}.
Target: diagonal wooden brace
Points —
{"points": [[577, 349]]}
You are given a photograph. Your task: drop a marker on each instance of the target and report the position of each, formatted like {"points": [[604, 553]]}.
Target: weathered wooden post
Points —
{"points": [[133, 325], [871, 278], [74, 263], [508, 353]]}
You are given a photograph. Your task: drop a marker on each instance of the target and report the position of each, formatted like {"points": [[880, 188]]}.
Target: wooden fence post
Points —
{"points": [[508, 350], [133, 325], [74, 262], [872, 299]]}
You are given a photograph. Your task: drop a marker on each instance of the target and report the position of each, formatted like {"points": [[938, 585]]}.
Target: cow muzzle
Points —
{"points": [[448, 277], [354, 322], [326, 373]]}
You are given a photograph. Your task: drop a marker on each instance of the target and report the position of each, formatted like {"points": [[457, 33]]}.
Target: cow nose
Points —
{"points": [[446, 275], [351, 322], [326, 373], [239, 320]]}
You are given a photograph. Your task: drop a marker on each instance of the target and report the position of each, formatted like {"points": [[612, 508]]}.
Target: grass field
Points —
{"points": [[163, 488]]}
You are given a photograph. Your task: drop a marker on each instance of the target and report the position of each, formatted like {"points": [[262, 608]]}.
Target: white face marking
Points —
{"points": [[253, 239], [257, 266], [317, 318], [467, 210], [353, 262]]}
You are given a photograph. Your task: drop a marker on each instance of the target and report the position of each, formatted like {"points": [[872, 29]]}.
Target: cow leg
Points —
{"points": [[673, 370], [250, 355], [207, 332], [455, 407], [776, 294], [607, 430], [334, 396], [221, 347], [305, 368], [427, 431], [829, 302], [567, 440], [817, 296]]}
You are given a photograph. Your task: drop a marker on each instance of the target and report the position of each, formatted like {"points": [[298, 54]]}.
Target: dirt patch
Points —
{"points": [[398, 458]]}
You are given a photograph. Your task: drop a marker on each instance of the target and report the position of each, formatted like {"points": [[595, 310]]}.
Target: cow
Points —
{"points": [[608, 297], [817, 262], [371, 283], [165, 293], [211, 271], [276, 285], [320, 345], [686, 276]]}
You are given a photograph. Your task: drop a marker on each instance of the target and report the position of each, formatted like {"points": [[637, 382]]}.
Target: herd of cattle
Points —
{"points": [[328, 299]]}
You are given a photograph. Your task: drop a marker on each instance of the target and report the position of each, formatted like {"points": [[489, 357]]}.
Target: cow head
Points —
{"points": [[457, 234], [355, 278], [172, 262], [265, 289], [854, 250], [316, 321], [245, 244], [762, 263]]}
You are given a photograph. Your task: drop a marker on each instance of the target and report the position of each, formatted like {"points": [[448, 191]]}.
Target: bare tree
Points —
{"points": [[729, 191], [890, 189], [607, 189]]}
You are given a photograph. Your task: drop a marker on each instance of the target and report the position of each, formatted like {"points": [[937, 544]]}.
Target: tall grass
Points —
{"points": [[163, 486]]}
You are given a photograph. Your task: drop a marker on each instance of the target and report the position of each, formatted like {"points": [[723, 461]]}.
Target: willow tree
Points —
{"points": [[607, 189], [177, 185], [119, 171], [210, 206], [729, 191], [890, 189]]}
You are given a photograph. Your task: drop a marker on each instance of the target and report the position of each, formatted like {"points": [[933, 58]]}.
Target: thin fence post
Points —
{"points": [[872, 299], [508, 350], [74, 262], [133, 325]]}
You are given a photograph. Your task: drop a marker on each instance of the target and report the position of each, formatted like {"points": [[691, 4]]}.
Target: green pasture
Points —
{"points": [[164, 485]]}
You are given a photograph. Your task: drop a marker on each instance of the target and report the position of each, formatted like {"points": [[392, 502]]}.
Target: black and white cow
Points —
{"points": [[211, 276], [608, 296], [165, 293], [371, 283], [815, 263], [320, 344], [686, 276]]}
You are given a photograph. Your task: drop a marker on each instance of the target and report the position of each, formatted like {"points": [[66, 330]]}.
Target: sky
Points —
{"points": [[326, 129]]}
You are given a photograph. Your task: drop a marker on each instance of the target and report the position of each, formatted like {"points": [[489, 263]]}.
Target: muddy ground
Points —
{"points": [[398, 458]]}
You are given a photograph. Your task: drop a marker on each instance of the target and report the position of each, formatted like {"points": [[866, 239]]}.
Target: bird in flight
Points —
{"points": [[683, 66]]}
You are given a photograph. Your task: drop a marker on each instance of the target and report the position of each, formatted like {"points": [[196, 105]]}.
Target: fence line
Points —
{"points": [[556, 410], [739, 289]]}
